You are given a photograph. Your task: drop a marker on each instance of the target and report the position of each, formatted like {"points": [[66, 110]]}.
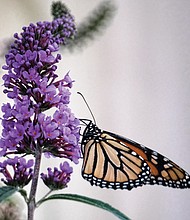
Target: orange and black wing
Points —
{"points": [[112, 161], [108, 163], [162, 170]]}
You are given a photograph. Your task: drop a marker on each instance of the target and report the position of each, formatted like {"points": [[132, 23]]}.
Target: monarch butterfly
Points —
{"points": [[112, 161], [115, 162]]}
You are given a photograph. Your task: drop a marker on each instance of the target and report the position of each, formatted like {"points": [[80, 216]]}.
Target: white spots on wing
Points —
{"points": [[133, 153]]}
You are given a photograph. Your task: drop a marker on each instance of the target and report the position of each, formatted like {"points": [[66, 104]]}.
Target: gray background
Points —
{"points": [[136, 78]]}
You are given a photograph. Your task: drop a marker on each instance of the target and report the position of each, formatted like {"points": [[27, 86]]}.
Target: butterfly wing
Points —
{"points": [[108, 163], [162, 170], [112, 161]]}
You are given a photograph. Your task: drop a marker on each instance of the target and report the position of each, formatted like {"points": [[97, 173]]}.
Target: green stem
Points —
{"points": [[44, 197], [32, 196]]}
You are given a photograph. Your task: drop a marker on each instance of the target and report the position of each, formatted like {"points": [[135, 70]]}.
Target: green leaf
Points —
{"points": [[89, 201], [6, 191], [23, 193]]}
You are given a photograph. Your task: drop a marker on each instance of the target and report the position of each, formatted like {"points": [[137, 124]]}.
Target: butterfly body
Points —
{"points": [[112, 161]]}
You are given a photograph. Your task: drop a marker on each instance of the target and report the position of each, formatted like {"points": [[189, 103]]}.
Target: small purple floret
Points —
{"points": [[17, 171], [57, 178]]}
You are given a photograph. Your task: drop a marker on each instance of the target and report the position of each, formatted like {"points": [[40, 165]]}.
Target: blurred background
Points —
{"points": [[136, 79]]}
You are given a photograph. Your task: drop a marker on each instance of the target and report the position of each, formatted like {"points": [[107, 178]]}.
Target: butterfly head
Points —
{"points": [[91, 131]]}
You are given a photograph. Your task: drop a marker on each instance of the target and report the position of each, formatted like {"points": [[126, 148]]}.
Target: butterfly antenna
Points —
{"points": [[88, 107]]}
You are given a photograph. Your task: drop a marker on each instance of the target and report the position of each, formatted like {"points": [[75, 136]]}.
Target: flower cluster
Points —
{"points": [[30, 83], [57, 179], [22, 171]]}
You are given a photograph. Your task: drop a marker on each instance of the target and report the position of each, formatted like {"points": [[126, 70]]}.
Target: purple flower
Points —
{"points": [[49, 129], [34, 131], [57, 179], [31, 55], [68, 80], [31, 83], [17, 171], [31, 75], [6, 108], [3, 147], [17, 132]]}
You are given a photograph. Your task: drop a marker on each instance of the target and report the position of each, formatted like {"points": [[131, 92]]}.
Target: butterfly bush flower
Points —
{"points": [[30, 83], [57, 179], [22, 171]]}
